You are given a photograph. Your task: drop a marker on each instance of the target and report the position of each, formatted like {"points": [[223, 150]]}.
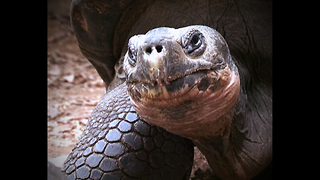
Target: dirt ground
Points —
{"points": [[74, 88]]}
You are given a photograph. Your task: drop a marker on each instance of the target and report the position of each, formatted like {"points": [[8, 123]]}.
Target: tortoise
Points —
{"points": [[179, 74]]}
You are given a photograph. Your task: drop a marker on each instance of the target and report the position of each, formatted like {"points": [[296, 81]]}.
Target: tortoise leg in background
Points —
{"points": [[118, 144]]}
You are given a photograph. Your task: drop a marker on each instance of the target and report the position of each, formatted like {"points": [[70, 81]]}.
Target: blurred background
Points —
{"points": [[74, 86]]}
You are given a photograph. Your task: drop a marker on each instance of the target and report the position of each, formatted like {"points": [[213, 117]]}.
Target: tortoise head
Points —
{"points": [[183, 80]]}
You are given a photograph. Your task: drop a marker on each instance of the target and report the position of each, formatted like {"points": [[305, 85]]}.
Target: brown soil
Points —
{"points": [[74, 88]]}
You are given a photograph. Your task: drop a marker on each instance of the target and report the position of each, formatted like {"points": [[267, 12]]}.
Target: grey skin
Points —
{"points": [[241, 146], [185, 81]]}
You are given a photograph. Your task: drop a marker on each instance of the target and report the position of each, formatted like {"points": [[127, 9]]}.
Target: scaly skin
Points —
{"points": [[118, 144]]}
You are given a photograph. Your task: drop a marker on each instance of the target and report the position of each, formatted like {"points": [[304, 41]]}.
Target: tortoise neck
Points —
{"points": [[217, 152], [222, 157], [246, 146]]}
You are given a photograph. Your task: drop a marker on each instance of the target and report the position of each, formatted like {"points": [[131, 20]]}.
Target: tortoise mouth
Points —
{"points": [[204, 97], [181, 88]]}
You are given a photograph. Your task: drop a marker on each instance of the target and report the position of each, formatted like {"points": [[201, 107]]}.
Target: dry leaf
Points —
{"points": [[81, 78]]}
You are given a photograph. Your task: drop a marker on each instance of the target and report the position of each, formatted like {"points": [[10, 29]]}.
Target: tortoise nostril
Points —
{"points": [[148, 50], [159, 48]]}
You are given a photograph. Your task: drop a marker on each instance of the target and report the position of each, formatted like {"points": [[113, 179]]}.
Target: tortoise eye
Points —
{"points": [[195, 45], [132, 57], [195, 41]]}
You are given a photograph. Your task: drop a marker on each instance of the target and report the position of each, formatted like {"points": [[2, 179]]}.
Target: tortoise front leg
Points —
{"points": [[118, 144]]}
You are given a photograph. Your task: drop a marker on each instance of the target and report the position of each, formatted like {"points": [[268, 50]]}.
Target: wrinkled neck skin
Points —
{"points": [[247, 149], [208, 121]]}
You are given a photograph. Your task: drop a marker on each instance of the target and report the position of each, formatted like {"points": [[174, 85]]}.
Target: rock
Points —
{"points": [[68, 78], [52, 112]]}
